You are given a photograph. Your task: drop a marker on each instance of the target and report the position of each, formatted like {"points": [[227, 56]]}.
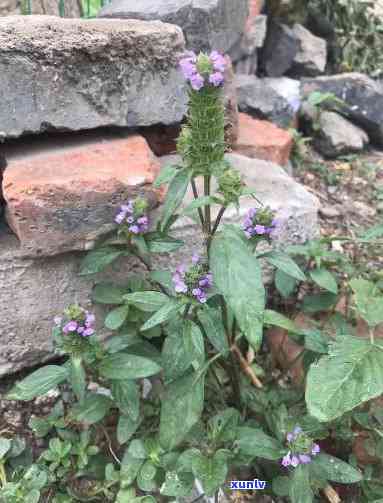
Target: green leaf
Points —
{"points": [[166, 175], [97, 260], [92, 409], [328, 467], [237, 275], [164, 278], [255, 443], [130, 467], [278, 320], [175, 359], [77, 377], [368, 300], [165, 313], [325, 280], [319, 302], [351, 374], [223, 426], [281, 486], [105, 293], [127, 397], [148, 301], [284, 283], [177, 484], [212, 322], [285, 263], [146, 477], [181, 409], [117, 317], [126, 428], [164, 245], [174, 197], [126, 366], [194, 344], [38, 383], [300, 488], [200, 202], [5, 446], [211, 471]]}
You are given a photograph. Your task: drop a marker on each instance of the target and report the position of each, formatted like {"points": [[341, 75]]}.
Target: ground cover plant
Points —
{"points": [[210, 379]]}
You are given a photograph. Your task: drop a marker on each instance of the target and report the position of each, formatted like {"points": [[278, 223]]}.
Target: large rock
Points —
{"points": [[68, 8], [260, 100], [363, 99], [207, 24], [65, 201], [68, 75], [337, 136], [35, 290], [263, 140], [294, 51]]}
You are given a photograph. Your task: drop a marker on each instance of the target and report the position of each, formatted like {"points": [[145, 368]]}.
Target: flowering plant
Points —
{"points": [[178, 396]]}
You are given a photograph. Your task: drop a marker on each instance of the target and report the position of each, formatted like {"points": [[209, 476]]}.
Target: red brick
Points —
{"points": [[263, 140], [65, 201]]}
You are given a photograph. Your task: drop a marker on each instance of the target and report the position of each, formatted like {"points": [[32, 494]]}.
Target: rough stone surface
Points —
{"points": [[63, 202], [281, 47], [338, 136], [71, 8], [260, 100], [68, 75], [363, 99], [35, 290], [289, 89], [207, 24], [311, 57], [263, 140]]}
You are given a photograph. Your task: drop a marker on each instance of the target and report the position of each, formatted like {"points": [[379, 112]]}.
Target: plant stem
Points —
{"points": [[206, 185], [149, 269], [372, 336], [3, 476], [218, 220], [246, 367], [195, 194], [331, 494]]}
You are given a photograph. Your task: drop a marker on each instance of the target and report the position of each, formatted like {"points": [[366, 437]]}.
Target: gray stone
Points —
{"points": [[245, 54], [71, 8], [295, 51], [289, 89], [33, 291], [281, 47], [363, 99], [311, 57], [259, 99], [338, 136], [68, 75], [207, 24]]}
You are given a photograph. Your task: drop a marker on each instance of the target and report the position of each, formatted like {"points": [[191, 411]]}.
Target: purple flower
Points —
{"points": [[286, 460], [71, 326], [195, 258], [90, 319], [193, 281], [88, 331], [197, 82], [294, 461], [260, 229], [216, 79], [80, 330], [290, 437], [218, 61], [315, 449], [304, 459], [297, 430], [120, 217], [134, 229], [180, 287]]}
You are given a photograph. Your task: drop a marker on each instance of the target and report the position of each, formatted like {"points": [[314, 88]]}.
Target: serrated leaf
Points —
{"points": [[255, 443], [181, 408], [147, 301], [165, 313], [237, 275], [127, 397], [92, 409], [325, 280], [175, 194], [300, 488], [285, 263], [351, 374], [127, 366], [38, 383], [117, 317], [331, 468], [212, 322], [97, 260], [105, 293]]}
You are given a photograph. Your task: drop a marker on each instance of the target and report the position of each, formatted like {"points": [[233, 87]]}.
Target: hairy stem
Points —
{"points": [[195, 194], [206, 185]]}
